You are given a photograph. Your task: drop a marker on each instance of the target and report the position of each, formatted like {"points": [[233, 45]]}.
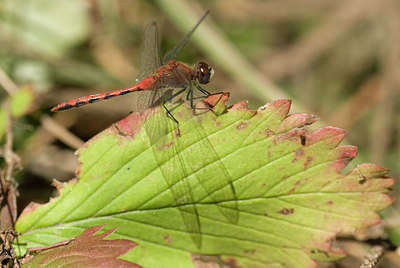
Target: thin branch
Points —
{"points": [[60, 132], [8, 188], [372, 258], [13, 161], [7, 83]]}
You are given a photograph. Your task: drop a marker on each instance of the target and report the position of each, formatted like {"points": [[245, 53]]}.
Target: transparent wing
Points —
{"points": [[149, 63], [211, 172], [149, 54], [161, 129], [174, 52], [174, 170]]}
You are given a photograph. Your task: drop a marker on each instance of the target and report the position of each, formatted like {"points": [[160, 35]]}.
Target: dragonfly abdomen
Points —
{"points": [[145, 84]]}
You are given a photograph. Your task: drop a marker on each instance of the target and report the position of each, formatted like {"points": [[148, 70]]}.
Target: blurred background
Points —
{"points": [[339, 60]]}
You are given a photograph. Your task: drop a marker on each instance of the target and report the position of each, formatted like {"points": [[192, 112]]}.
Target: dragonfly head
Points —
{"points": [[204, 72]]}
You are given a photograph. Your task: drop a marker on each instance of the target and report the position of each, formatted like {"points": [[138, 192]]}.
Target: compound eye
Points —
{"points": [[204, 73]]}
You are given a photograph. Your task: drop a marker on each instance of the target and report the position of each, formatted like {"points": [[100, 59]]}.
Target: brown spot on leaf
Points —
{"points": [[298, 154], [206, 261], [210, 261], [327, 182], [121, 143], [275, 140], [242, 125], [269, 153], [78, 170], [329, 203], [296, 185], [167, 238], [249, 251], [308, 162], [230, 262], [168, 145], [266, 214], [268, 133], [286, 211]]}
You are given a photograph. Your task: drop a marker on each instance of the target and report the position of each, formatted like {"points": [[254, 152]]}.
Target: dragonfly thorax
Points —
{"points": [[204, 73]]}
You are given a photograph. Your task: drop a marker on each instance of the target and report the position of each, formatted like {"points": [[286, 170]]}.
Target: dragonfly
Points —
{"points": [[154, 76], [161, 81]]}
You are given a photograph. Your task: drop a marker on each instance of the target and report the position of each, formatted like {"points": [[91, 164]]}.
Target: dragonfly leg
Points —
{"points": [[205, 92], [202, 90], [168, 112], [191, 98]]}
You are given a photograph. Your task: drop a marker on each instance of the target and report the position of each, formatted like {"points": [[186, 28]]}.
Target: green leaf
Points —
{"points": [[290, 195], [20, 104]]}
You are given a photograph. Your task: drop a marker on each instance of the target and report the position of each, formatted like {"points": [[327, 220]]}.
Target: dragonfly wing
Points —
{"points": [[173, 169], [211, 172], [174, 52], [149, 63], [150, 54], [160, 129], [155, 127]]}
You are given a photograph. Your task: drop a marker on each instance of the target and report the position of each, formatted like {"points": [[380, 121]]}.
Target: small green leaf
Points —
{"points": [[289, 193], [20, 104]]}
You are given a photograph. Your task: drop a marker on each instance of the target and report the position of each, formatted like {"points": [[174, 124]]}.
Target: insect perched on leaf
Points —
{"points": [[160, 82]]}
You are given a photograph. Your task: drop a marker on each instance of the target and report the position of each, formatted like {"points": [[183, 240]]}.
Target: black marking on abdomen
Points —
{"points": [[65, 107], [91, 100], [125, 91], [77, 104]]}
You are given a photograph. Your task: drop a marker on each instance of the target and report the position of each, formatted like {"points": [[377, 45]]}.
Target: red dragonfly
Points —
{"points": [[173, 74], [161, 82]]}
